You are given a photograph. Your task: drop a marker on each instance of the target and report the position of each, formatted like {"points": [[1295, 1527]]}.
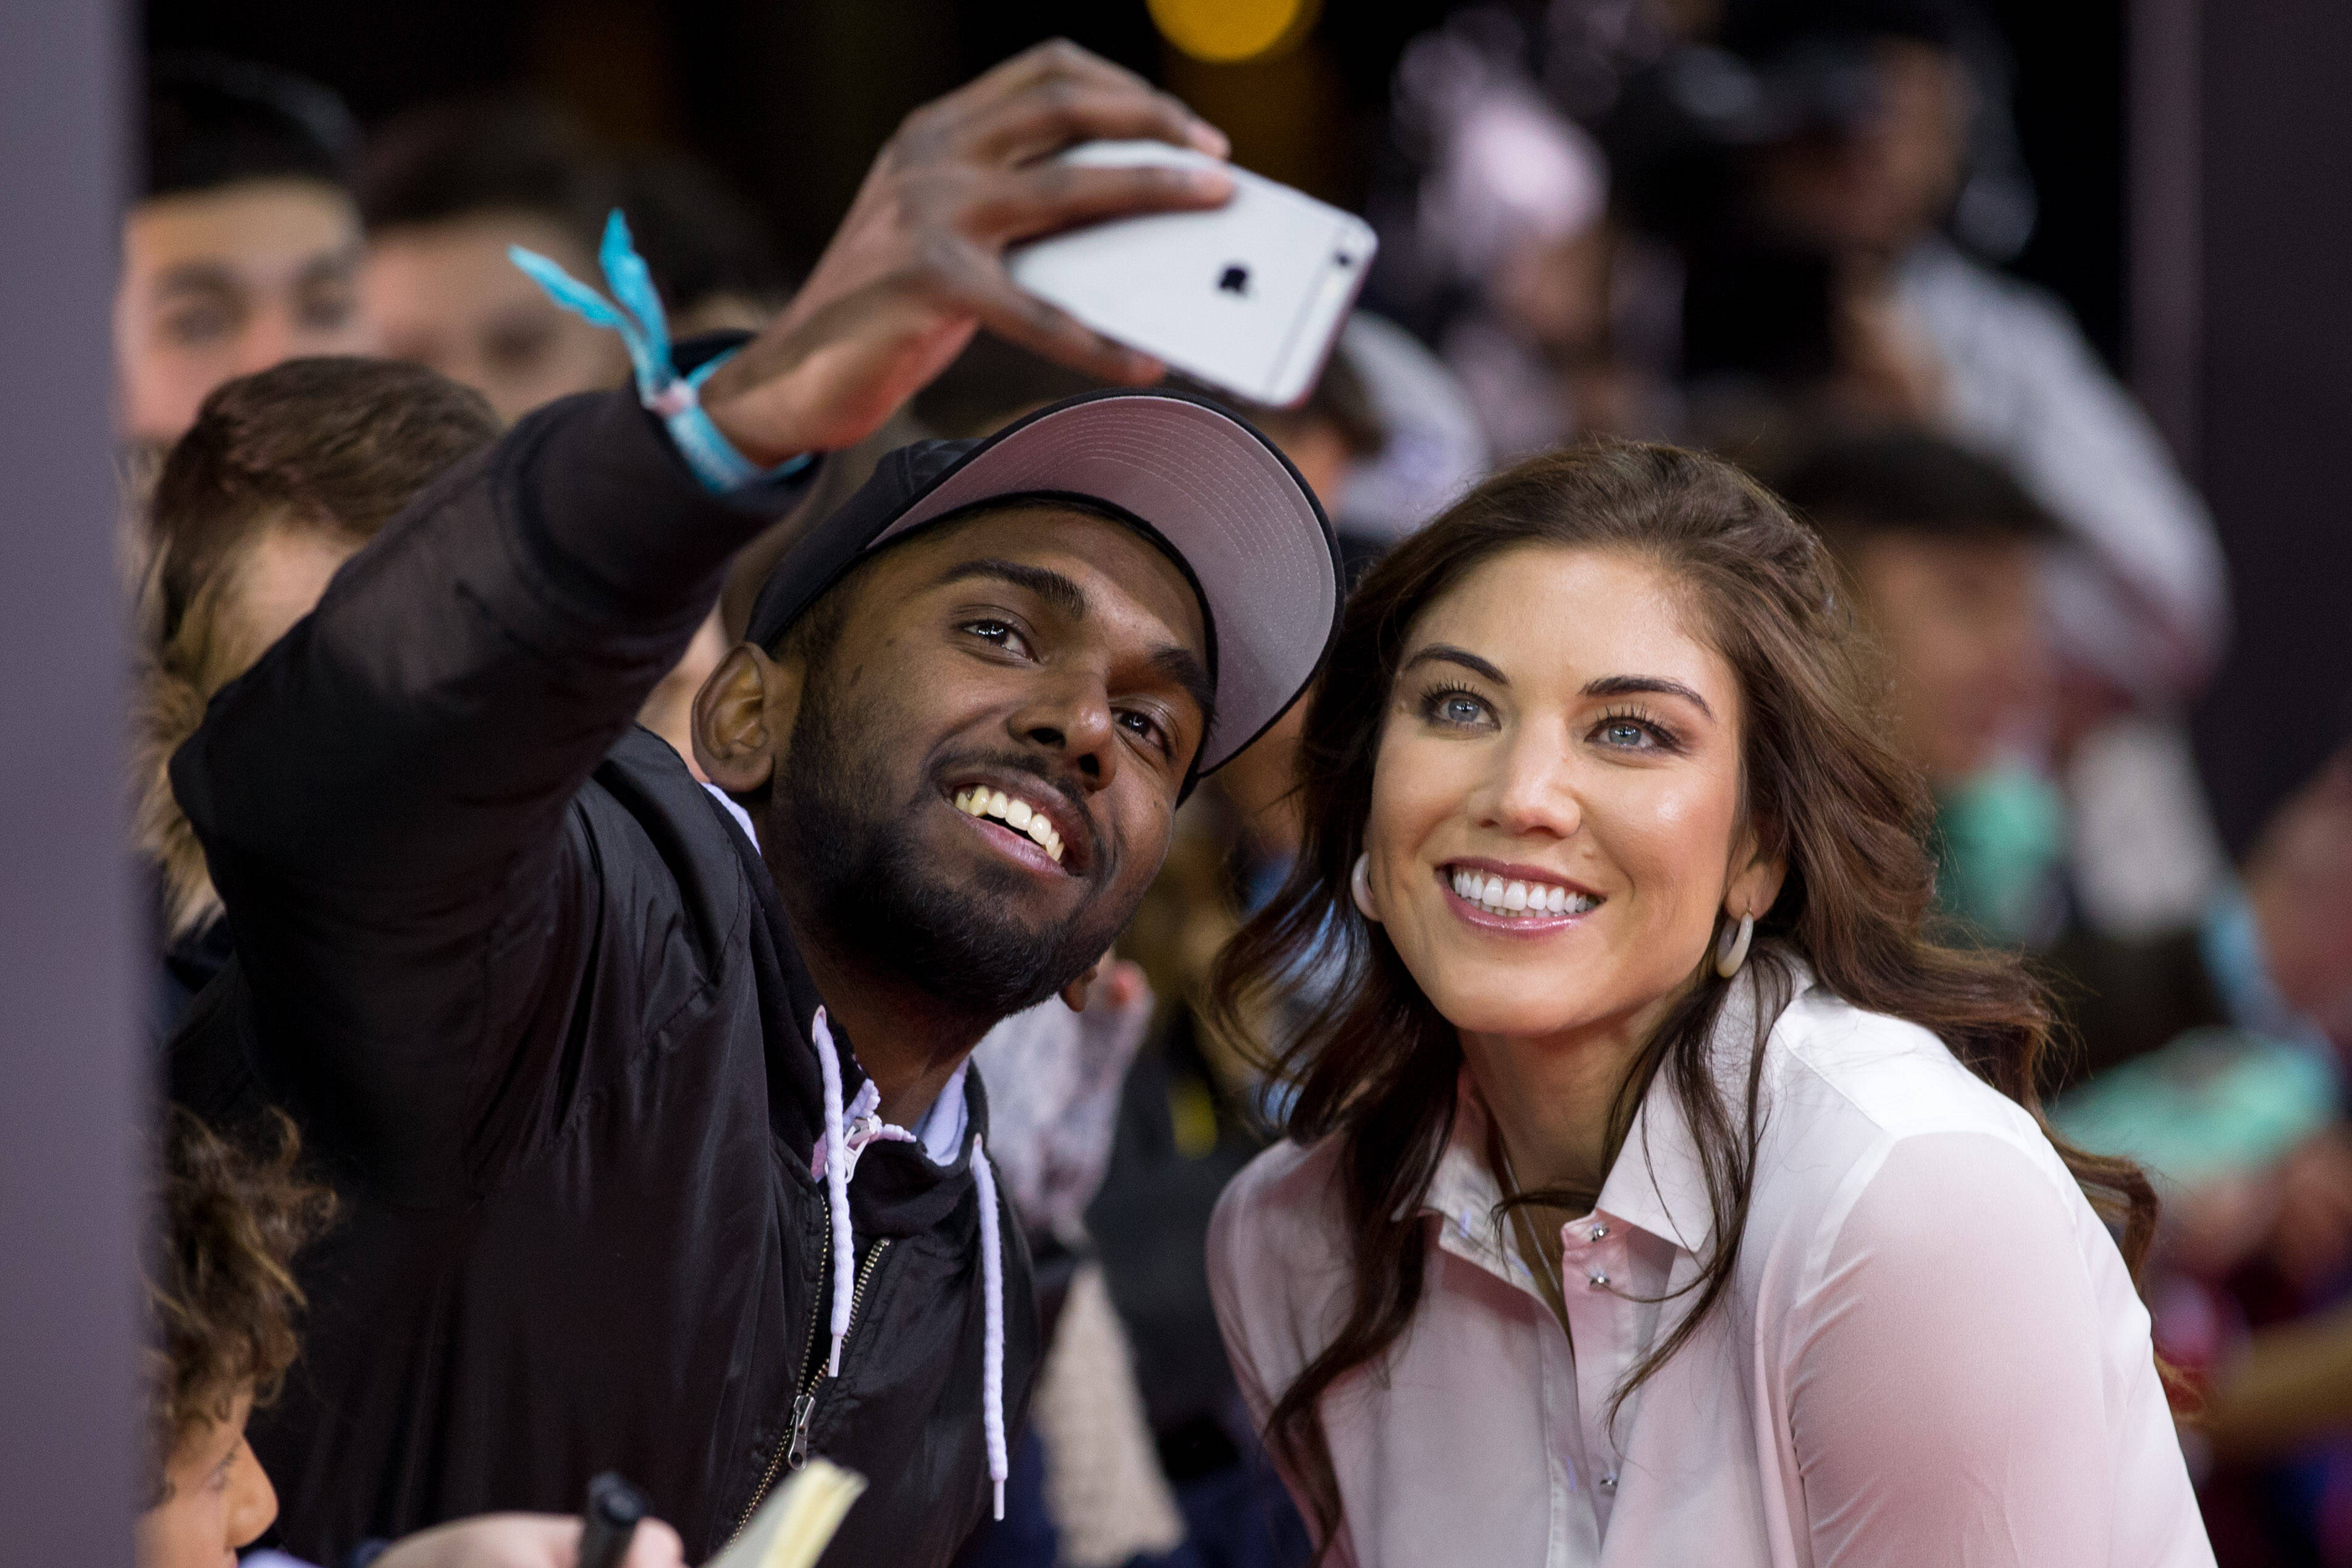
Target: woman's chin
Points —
{"points": [[1516, 1018]]}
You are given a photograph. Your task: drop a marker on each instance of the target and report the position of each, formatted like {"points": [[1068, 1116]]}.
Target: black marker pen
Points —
{"points": [[609, 1521]]}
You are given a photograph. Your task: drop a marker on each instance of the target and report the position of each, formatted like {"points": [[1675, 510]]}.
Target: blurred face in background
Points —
{"points": [[223, 282], [1882, 184], [445, 296], [1958, 619]]}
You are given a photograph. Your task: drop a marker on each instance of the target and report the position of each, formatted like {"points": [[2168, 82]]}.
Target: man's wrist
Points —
{"points": [[739, 402], [723, 468]]}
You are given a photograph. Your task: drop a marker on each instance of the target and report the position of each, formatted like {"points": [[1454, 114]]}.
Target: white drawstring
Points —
{"points": [[846, 1134], [836, 1182], [992, 1353], [860, 1125]]}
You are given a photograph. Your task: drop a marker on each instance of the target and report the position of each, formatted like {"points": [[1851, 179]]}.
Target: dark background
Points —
{"points": [[790, 99]]}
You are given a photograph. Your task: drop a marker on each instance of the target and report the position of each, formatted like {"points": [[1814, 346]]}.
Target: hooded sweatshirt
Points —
{"points": [[609, 1199]]}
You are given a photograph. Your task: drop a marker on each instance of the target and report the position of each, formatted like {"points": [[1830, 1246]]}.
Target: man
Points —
{"points": [[1879, 103], [1944, 546], [554, 1019], [445, 190], [244, 247]]}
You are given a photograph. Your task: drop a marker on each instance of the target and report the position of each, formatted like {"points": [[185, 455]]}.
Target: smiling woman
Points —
{"points": [[1650, 1160]]}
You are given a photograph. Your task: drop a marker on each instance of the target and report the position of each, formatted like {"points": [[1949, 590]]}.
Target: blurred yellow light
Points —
{"points": [[1223, 32]]}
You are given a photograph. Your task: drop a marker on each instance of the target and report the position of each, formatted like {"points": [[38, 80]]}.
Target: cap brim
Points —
{"points": [[1221, 497]]}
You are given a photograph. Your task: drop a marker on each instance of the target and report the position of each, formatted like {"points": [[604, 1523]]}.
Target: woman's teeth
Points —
{"points": [[1014, 812], [1494, 896]]}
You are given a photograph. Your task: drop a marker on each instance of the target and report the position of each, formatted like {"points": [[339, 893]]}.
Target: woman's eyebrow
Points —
{"points": [[1628, 685], [1445, 653]]}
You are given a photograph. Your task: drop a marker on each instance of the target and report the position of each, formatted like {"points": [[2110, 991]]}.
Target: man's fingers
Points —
{"points": [[1047, 198], [1055, 59], [1055, 114], [999, 113], [1028, 321]]}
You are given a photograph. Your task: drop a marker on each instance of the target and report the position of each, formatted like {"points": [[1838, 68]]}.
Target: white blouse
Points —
{"points": [[1930, 1351]]}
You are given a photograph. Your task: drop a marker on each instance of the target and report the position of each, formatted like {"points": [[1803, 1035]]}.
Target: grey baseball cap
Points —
{"points": [[1211, 492]]}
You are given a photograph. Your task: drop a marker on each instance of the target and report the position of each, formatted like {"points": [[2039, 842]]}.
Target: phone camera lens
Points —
{"points": [[1344, 259]]}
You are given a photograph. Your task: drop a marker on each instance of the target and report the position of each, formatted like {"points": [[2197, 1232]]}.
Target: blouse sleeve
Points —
{"points": [[1946, 1393]]}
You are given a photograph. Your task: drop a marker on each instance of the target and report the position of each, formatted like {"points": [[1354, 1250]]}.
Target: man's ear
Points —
{"points": [[741, 715]]}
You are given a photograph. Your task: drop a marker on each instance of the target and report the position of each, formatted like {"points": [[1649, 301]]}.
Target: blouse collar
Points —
{"points": [[1658, 1181]]}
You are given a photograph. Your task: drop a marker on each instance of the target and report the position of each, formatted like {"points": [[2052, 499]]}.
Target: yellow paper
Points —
{"points": [[794, 1525]]}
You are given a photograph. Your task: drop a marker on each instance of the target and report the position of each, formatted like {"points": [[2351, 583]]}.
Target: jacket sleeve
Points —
{"points": [[385, 799]]}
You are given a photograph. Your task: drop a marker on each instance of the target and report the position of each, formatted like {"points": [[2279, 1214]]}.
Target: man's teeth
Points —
{"points": [[1494, 895], [1015, 813]]}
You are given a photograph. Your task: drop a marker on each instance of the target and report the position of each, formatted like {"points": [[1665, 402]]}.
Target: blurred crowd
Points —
{"points": [[1770, 228]]}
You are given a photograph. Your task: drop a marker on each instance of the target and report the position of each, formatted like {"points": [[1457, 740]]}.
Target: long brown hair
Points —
{"points": [[1374, 1065]]}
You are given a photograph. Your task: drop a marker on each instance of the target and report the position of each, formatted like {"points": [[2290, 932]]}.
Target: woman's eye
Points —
{"points": [[1459, 709], [1631, 734]]}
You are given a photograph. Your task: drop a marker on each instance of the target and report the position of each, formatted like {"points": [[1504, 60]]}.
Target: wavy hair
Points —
{"points": [[1374, 1066], [221, 1296]]}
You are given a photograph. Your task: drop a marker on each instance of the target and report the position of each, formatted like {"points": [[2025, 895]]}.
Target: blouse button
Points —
{"points": [[1599, 1231], [1608, 1483], [1598, 1280]]}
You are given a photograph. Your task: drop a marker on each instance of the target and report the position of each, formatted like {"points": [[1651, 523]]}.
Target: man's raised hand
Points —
{"points": [[919, 263]]}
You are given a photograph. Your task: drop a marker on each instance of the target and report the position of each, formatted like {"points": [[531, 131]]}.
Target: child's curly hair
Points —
{"points": [[222, 1295]]}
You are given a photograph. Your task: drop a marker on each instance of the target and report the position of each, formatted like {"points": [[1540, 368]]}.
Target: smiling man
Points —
{"points": [[956, 818], [658, 1147]]}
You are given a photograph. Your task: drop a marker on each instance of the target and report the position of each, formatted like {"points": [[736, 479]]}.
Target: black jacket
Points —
{"points": [[532, 999]]}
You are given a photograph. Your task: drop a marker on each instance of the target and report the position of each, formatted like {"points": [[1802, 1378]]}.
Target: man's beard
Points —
{"points": [[862, 880]]}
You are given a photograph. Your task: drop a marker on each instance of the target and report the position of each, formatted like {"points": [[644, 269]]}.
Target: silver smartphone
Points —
{"points": [[1248, 298]]}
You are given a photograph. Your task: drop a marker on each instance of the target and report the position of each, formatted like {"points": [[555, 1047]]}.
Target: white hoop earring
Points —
{"points": [[1731, 950], [1359, 884]]}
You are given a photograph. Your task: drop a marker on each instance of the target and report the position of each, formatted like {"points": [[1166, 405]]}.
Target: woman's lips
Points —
{"points": [[1519, 906]]}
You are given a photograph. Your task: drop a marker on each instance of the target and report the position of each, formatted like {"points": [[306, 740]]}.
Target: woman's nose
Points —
{"points": [[1531, 790], [252, 1500]]}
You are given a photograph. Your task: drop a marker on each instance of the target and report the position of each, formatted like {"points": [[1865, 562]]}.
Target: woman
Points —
{"points": [[1659, 1190]]}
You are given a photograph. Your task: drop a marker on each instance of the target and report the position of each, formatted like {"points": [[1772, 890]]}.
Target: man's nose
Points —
{"points": [[1071, 716], [270, 338]]}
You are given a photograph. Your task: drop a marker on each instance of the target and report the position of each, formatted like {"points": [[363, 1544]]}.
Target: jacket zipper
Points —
{"points": [[793, 1448]]}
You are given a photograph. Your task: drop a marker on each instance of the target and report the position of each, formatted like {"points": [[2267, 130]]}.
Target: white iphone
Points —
{"points": [[1248, 298]]}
